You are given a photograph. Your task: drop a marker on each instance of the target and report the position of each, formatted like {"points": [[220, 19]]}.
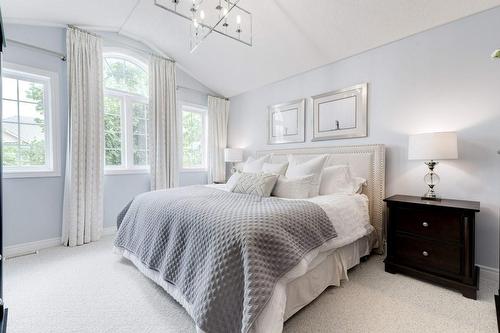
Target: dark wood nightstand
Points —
{"points": [[434, 241], [219, 182]]}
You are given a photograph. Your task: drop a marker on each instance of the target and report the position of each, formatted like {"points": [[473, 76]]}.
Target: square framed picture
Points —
{"points": [[286, 122], [341, 114]]}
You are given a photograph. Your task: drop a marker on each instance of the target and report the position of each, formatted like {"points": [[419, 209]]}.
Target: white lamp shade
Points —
{"points": [[233, 155], [433, 146]]}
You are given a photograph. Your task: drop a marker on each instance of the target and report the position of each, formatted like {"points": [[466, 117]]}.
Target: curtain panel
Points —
{"points": [[83, 192], [163, 127], [218, 116]]}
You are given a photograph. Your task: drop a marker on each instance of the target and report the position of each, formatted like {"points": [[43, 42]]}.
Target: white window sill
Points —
{"points": [[30, 174], [193, 170], [111, 172]]}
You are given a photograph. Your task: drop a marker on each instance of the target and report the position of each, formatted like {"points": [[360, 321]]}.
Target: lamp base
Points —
{"points": [[430, 198], [431, 179]]}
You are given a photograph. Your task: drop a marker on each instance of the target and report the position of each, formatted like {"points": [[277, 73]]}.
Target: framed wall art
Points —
{"points": [[286, 122], [341, 114]]}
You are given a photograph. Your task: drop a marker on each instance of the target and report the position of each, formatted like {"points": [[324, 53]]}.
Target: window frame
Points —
{"points": [[202, 109], [50, 80], [126, 125]]}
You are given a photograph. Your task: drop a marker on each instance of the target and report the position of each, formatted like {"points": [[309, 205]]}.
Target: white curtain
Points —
{"points": [[163, 150], [218, 115], [83, 192]]}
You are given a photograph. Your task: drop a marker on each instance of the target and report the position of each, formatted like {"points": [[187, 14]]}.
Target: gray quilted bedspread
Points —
{"points": [[224, 251]]}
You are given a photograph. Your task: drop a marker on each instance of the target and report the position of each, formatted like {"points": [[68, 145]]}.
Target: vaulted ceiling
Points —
{"points": [[289, 36]]}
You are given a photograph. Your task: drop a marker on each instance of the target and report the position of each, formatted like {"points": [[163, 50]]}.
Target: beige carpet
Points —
{"points": [[90, 289]]}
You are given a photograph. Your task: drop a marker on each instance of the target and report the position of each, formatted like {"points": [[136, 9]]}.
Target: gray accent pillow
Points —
{"points": [[260, 184]]}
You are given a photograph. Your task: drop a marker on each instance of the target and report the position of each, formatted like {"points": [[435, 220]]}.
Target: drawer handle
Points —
{"points": [[425, 224], [425, 253]]}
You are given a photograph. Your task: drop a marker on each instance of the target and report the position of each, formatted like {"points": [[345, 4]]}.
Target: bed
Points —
{"points": [[265, 292]]}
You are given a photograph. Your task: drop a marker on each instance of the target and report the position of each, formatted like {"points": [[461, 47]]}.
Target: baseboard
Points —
{"points": [[31, 247], [109, 231], [489, 273]]}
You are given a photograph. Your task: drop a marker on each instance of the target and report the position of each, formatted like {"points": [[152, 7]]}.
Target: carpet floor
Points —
{"points": [[91, 289]]}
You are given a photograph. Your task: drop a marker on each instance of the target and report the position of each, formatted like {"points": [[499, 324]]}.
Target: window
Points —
{"points": [[28, 115], [194, 141], [125, 114]]}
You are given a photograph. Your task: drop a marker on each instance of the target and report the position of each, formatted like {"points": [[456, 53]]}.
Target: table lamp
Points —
{"points": [[432, 147], [233, 155]]}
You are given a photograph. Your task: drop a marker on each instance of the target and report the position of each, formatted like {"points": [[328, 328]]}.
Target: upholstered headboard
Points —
{"points": [[367, 161]]}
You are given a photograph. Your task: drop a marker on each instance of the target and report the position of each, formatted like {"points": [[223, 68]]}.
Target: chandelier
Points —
{"points": [[224, 17]]}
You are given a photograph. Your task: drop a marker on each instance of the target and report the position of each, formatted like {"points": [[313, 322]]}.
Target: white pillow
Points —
{"points": [[358, 184], [338, 179], [260, 184], [232, 181], [312, 167], [254, 165], [293, 188], [278, 169]]}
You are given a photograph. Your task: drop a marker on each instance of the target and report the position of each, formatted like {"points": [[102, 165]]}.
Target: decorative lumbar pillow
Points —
{"points": [[261, 184], [338, 179], [277, 169], [311, 167], [293, 188], [232, 181], [254, 165]]}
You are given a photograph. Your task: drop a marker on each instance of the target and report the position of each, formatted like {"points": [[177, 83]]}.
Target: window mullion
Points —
{"points": [[130, 135], [124, 129], [48, 123], [205, 139], [18, 126]]}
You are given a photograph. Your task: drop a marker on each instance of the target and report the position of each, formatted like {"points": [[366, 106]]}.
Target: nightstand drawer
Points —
{"points": [[440, 225], [427, 254]]}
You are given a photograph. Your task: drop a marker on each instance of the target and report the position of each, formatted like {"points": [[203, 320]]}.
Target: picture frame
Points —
{"points": [[286, 122], [341, 114]]}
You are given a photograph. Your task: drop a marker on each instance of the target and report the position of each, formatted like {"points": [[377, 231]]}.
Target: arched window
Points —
{"points": [[125, 112]]}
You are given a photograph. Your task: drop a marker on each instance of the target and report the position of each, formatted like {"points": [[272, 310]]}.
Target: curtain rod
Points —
{"points": [[41, 49]]}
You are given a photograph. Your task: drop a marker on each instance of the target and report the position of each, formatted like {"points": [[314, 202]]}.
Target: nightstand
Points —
{"points": [[433, 241], [219, 182]]}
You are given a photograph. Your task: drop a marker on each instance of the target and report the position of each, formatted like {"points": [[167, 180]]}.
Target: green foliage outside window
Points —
{"points": [[123, 75], [192, 143], [112, 131], [26, 146], [125, 80]]}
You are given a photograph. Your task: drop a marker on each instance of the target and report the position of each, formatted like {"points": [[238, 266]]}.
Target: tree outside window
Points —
{"points": [[28, 144], [125, 113], [193, 137]]}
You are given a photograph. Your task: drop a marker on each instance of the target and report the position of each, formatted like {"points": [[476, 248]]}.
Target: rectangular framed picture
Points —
{"points": [[341, 114], [286, 122]]}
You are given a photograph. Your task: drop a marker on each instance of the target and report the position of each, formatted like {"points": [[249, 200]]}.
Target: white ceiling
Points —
{"points": [[289, 36]]}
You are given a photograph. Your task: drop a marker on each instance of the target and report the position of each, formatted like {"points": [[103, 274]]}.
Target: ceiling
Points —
{"points": [[289, 36]]}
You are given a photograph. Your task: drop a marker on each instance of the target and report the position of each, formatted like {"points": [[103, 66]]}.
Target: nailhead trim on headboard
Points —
{"points": [[376, 185]]}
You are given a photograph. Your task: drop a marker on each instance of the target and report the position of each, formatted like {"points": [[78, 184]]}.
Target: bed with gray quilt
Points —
{"points": [[220, 254]]}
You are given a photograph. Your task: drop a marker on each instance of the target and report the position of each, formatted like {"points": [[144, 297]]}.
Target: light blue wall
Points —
{"points": [[33, 206], [441, 79]]}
